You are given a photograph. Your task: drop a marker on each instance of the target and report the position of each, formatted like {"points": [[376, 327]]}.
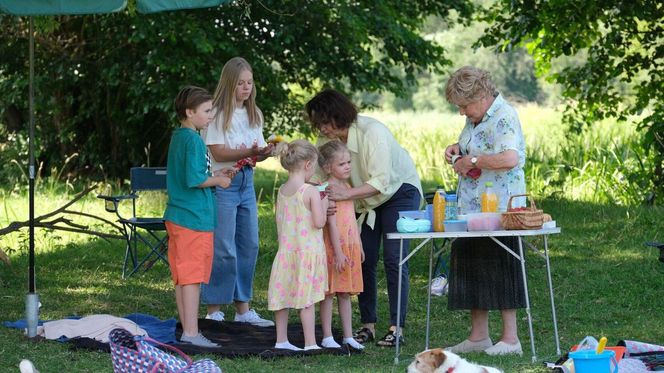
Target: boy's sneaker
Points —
{"points": [[198, 340], [439, 286], [253, 318], [216, 316]]}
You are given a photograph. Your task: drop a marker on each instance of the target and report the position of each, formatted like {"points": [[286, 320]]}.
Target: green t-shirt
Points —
{"points": [[187, 167]]}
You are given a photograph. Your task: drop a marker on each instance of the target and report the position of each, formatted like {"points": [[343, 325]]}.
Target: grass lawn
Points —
{"points": [[606, 283]]}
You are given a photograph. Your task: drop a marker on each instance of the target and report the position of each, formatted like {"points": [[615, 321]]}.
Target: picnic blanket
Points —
{"points": [[236, 339], [160, 330]]}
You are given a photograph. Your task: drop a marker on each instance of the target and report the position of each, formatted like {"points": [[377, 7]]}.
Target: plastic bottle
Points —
{"points": [[451, 210], [489, 198], [439, 211]]}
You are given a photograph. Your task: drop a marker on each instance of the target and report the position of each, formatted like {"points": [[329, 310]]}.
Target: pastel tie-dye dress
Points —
{"points": [[299, 271]]}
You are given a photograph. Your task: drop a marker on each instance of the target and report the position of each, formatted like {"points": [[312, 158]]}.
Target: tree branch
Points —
{"points": [[63, 223]]}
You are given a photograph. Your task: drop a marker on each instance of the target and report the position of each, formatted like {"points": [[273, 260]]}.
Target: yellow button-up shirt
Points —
{"points": [[376, 159]]}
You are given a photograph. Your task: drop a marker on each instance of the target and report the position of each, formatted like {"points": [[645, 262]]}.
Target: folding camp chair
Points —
{"points": [[141, 231]]}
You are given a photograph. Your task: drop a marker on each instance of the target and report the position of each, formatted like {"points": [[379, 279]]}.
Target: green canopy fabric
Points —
{"points": [[71, 7], [154, 6], [60, 7]]}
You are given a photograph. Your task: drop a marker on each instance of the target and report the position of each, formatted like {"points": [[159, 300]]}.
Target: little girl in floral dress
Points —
{"points": [[343, 247], [299, 272]]}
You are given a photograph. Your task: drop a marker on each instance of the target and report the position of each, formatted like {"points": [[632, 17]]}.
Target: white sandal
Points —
{"points": [[470, 346], [502, 348]]}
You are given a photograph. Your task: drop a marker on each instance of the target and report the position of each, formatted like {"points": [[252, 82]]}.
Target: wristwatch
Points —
{"points": [[473, 160]]}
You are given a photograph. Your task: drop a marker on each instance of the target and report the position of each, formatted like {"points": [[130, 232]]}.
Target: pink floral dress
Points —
{"points": [[350, 279], [299, 271]]}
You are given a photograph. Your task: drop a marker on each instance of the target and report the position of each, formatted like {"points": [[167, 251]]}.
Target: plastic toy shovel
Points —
{"points": [[601, 345]]}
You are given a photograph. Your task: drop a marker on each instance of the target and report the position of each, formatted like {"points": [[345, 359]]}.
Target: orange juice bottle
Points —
{"points": [[489, 201], [439, 211]]}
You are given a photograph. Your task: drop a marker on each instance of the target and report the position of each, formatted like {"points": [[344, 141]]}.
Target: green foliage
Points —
{"points": [[623, 45], [512, 70], [104, 84]]}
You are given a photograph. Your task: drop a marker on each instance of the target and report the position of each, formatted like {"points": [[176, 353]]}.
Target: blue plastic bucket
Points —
{"points": [[588, 361]]}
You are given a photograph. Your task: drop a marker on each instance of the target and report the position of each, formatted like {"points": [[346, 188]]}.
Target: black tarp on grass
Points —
{"points": [[238, 340]]}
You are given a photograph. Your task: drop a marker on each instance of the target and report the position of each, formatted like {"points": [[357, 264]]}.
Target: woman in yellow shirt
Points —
{"points": [[383, 182]]}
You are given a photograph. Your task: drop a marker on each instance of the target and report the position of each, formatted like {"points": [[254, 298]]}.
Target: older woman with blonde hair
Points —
{"points": [[490, 148]]}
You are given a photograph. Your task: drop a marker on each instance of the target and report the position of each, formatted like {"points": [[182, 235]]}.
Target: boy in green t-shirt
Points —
{"points": [[190, 212]]}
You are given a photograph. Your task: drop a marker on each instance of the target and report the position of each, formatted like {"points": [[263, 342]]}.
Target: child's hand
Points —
{"points": [[226, 171], [266, 151], [224, 181], [362, 255], [340, 261], [258, 151]]}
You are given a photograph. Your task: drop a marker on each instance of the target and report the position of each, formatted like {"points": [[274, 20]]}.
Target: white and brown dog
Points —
{"points": [[439, 361]]}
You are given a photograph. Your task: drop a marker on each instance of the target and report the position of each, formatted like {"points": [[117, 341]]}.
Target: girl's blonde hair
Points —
{"points": [[224, 95], [293, 154], [328, 151], [469, 84]]}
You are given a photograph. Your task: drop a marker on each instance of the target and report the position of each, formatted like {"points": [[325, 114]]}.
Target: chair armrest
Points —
{"points": [[112, 202], [117, 198]]}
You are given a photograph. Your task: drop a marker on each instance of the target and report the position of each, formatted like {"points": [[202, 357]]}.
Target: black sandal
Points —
{"points": [[363, 335], [390, 340]]}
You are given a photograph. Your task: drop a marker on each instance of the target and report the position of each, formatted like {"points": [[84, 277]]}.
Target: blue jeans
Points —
{"points": [[406, 198], [235, 242]]}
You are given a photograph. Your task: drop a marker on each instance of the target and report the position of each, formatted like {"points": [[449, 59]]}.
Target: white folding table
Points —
{"points": [[429, 236]]}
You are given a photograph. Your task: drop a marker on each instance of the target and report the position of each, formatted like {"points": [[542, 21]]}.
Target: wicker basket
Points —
{"points": [[532, 218]]}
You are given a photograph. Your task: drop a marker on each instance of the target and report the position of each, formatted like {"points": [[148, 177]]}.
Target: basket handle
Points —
{"points": [[530, 199], [186, 357]]}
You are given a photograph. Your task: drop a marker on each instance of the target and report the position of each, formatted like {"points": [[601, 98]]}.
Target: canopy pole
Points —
{"points": [[32, 299]]}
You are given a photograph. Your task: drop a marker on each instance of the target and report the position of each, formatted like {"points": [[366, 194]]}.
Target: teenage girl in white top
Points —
{"points": [[235, 139]]}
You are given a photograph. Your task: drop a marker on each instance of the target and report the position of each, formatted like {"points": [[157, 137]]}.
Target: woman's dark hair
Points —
{"points": [[190, 97], [330, 107]]}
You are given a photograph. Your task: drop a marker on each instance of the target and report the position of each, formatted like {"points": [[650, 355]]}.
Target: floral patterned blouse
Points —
{"points": [[499, 130]]}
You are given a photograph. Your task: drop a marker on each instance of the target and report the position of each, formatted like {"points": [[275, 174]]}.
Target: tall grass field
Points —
{"points": [[606, 281]]}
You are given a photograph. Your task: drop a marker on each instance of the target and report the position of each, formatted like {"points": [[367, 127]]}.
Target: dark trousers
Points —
{"points": [[406, 198]]}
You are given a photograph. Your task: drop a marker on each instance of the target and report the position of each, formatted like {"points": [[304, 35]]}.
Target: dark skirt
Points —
{"points": [[484, 276]]}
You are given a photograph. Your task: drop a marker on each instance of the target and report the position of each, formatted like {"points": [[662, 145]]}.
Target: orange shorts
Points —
{"points": [[189, 254]]}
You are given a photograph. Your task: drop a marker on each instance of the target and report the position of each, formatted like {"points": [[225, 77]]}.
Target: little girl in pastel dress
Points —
{"points": [[299, 272], [343, 247]]}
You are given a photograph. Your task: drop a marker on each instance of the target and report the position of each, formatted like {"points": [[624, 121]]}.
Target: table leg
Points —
{"points": [[553, 304], [426, 343], [398, 331], [525, 288]]}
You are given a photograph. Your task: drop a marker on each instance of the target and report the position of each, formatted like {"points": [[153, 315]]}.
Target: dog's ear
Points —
{"points": [[438, 356]]}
